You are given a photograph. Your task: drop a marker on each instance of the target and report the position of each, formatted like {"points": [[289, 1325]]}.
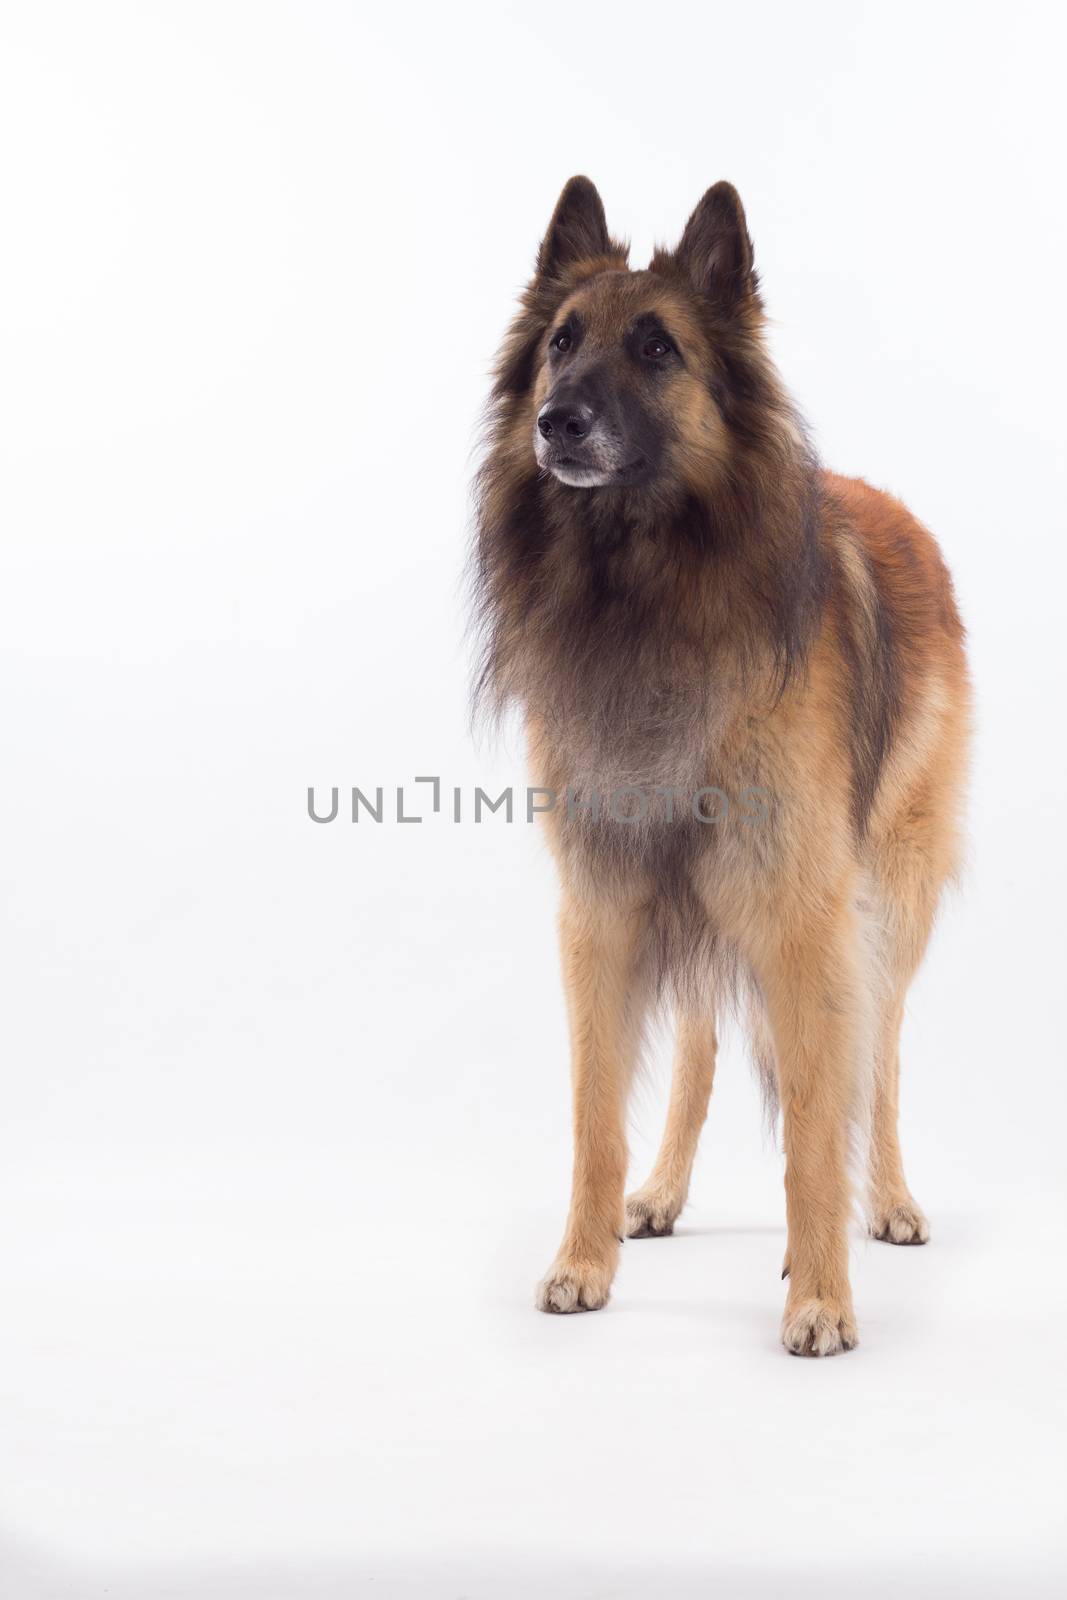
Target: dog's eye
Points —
{"points": [[656, 349], [562, 342]]}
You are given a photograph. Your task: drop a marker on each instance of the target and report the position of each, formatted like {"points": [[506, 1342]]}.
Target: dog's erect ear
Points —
{"points": [[716, 250], [578, 230]]}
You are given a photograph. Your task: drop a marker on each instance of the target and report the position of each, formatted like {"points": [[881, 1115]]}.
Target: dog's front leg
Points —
{"points": [[599, 946], [815, 1003]]}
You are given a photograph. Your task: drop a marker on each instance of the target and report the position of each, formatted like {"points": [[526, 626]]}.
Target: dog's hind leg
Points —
{"points": [[651, 1211], [909, 894], [914, 849], [601, 947], [895, 1217]]}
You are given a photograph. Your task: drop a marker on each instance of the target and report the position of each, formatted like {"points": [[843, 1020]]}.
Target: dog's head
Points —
{"points": [[632, 380], [646, 483]]}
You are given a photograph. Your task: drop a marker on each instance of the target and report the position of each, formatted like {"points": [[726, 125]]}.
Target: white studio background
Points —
{"points": [[284, 1141]]}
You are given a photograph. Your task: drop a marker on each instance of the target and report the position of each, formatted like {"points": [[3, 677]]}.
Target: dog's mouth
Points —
{"points": [[578, 474]]}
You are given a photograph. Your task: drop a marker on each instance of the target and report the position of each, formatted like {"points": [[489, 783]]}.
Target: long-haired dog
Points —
{"points": [[744, 680]]}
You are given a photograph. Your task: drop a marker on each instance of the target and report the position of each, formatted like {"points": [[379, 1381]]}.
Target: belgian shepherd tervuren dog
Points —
{"points": [[744, 678]]}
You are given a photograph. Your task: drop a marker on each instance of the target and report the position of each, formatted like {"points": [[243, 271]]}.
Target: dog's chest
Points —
{"points": [[661, 802]]}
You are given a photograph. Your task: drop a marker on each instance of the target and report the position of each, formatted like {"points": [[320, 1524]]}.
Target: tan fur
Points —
{"points": [[652, 1210]]}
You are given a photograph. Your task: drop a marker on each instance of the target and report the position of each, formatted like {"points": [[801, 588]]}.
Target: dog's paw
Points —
{"points": [[574, 1286], [651, 1213], [900, 1224], [818, 1328]]}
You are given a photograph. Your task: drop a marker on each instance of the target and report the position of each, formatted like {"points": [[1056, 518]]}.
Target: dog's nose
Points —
{"points": [[570, 419]]}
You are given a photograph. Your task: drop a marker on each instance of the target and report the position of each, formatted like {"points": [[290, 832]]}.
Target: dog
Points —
{"points": [[684, 604]]}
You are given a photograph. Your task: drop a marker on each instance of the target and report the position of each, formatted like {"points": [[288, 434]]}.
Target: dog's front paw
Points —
{"points": [[818, 1328], [651, 1213], [900, 1224], [574, 1286]]}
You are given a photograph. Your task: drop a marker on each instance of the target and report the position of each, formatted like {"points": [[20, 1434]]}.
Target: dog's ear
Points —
{"points": [[578, 230], [716, 250]]}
